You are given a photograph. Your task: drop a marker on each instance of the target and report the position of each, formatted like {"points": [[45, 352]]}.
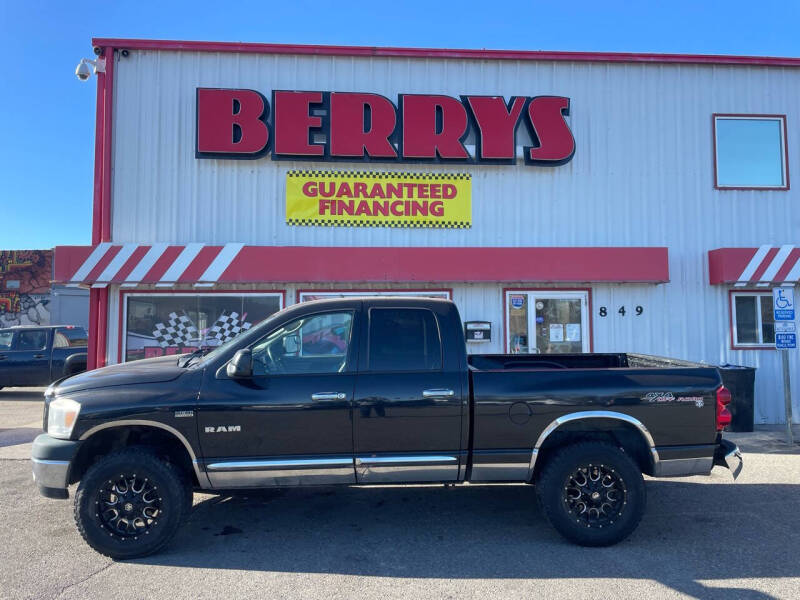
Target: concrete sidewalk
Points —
{"points": [[766, 439]]}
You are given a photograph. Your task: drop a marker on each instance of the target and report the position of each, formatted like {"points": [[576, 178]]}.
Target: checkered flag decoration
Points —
{"points": [[227, 327], [179, 330]]}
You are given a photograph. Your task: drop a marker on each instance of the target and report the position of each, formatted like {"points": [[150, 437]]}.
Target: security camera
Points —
{"points": [[83, 72]]}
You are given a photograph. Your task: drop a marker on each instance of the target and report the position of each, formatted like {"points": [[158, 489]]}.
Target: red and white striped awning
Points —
{"points": [[201, 265], [762, 266]]}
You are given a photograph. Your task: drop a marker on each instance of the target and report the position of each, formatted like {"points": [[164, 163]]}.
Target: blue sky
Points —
{"points": [[47, 124]]}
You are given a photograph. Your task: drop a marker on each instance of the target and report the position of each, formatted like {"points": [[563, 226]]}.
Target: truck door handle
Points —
{"points": [[3, 357], [325, 396], [438, 393], [38, 356]]}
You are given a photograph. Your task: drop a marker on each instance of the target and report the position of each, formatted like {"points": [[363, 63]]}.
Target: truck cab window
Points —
{"points": [[313, 344], [31, 340], [404, 340], [5, 339]]}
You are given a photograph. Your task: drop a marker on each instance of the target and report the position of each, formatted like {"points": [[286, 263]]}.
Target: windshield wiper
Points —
{"points": [[185, 361]]}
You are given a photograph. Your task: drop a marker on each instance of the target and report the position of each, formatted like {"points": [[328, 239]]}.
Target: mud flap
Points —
{"points": [[727, 454]]}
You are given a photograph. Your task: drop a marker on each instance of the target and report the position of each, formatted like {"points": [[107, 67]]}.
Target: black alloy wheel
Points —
{"points": [[131, 503], [592, 493]]}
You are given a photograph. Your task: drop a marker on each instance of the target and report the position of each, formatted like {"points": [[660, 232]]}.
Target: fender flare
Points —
{"points": [[592, 414], [70, 360], [202, 478]]}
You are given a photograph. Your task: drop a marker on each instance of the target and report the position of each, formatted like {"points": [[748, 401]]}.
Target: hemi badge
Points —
{"points": [[184, 413]]}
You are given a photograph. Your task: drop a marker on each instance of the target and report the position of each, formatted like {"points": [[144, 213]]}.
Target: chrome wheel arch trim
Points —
{"points": [[201, 476], [593, 414]]}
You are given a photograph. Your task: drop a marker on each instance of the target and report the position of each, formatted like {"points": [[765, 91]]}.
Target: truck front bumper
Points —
{"points": [[728, 455], [51, 459]]}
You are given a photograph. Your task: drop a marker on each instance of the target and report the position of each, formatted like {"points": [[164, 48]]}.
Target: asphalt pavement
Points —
{"points": [[702, 537]]}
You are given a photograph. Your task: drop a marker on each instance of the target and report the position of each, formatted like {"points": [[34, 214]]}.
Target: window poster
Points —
{"points": [[158, 325]]}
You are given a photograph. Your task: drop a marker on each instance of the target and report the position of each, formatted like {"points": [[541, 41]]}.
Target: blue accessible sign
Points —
{"points": [[785, 336], [783, 303]]}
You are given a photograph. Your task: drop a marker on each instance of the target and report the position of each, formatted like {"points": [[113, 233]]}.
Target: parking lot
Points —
{"points": [[704, 537]]}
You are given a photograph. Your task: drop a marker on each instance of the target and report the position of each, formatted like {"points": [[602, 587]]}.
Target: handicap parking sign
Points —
{"points": [[785, 336], [783, 303]]}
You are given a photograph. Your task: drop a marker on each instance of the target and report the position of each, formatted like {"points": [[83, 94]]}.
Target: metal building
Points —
{"points": [[565, 201]]}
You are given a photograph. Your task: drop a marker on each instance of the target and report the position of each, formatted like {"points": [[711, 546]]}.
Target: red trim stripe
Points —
{"points": [[312, 264], [445, 53], [103, 263], [788, 264], [130, 264], [262, 264], [763, 266], [162, 264], [199, 265]]}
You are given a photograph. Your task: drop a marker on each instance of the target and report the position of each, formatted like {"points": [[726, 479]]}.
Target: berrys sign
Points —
{"points": [[350, 126]]}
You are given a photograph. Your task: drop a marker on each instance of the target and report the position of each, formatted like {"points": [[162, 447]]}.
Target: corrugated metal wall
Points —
{"points": [[642, 175]]}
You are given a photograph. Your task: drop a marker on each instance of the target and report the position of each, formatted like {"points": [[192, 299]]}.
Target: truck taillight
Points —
{"points": [[723, 414]]}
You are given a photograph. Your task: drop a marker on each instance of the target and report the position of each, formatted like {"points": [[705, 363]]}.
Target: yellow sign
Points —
{"points": [[380, 199]]}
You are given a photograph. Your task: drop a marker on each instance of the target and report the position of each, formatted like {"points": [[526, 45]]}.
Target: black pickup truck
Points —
{"points": [[38, 355], [374, 391]]}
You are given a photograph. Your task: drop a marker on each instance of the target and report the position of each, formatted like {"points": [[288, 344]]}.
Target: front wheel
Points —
{"points": [[130, 504], [592, 493]]}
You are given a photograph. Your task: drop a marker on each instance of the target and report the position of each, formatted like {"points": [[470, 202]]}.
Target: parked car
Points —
{"points": [[32, 355], [403, 403]]}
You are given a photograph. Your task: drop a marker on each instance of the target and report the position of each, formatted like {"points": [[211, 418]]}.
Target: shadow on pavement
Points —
{"points": [[24, 394], [691, 533], [18, 435]]}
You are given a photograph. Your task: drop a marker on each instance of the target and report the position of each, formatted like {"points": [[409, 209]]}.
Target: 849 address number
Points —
{"points": [[637, 311]]}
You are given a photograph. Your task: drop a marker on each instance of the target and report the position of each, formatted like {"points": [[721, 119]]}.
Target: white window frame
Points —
{"points": [[737, 345], [784, 159], [123, 345], [533, 295]]}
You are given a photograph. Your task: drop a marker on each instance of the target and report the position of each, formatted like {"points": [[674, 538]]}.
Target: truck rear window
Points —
{"points": [[70, 337], [404, 339]]}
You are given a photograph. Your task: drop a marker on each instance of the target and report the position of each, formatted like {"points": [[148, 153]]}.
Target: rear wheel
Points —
{"points": [[130, 504], [592, 493]]}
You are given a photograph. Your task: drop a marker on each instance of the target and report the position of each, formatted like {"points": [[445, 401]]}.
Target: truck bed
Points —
{"points": [[538, 362]]}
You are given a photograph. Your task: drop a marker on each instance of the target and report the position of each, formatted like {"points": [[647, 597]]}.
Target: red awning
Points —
{"points": [[762, 266], [204, 265]]}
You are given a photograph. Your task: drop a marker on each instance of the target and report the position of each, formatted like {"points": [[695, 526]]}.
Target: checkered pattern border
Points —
{"points": [[367, 223], [377, 174]]}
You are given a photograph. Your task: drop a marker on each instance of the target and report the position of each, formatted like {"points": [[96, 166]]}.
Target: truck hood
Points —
{"points": [[150, 370]]}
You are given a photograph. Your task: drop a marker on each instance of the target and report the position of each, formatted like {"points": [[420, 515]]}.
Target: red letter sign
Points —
{"points": [[547, 126], [231, 122], [293, 124], [361, 123], [496, 123], [431, 125]]}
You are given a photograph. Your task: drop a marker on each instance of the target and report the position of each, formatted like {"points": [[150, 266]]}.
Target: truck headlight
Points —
{"points": [[61, 417]]}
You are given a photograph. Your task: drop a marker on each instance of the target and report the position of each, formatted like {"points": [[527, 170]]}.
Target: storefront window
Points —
{"points": [[753, 319], [750, 151], [159, 324], [547, 322]]}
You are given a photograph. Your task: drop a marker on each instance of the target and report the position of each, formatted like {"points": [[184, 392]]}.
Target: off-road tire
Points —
{"points": [[557, 490], [168, 483]]}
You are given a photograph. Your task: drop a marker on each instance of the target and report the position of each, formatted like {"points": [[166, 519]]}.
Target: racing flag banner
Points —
{"points": [[378, 199]]}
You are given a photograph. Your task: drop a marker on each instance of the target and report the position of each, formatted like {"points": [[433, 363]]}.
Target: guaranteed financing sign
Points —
{"points": [[362, 127], [369, 199]]}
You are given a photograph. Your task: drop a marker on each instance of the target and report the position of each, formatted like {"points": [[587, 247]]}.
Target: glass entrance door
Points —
{"points": [[547, 322]]}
